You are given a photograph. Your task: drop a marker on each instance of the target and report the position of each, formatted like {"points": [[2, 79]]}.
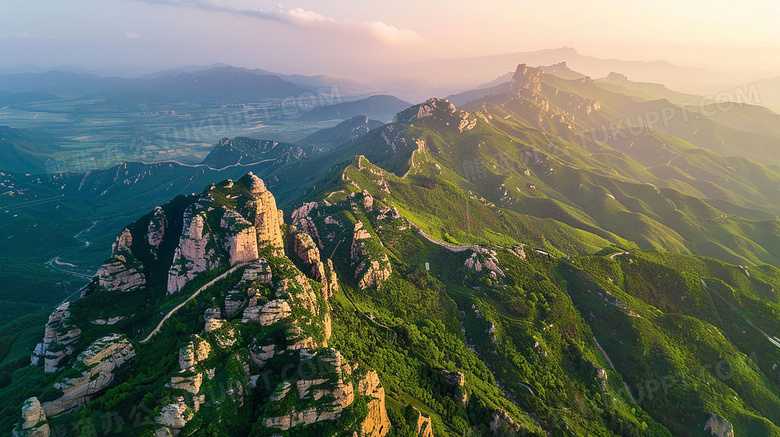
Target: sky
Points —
{"points": [[352, 38]]}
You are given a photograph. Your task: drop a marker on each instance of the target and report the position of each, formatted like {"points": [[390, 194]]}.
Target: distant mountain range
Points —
{"points": [[532, 262], [218, 84], [380, 107]]}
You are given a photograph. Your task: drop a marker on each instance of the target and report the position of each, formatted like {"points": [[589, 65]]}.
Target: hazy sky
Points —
{"points": [[343, 36]]}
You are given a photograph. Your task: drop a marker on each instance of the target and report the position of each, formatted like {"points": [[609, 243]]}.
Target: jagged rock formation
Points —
{"points": [[33, 422], [273, 315], [376, 422], [267, 218], [306, 246], [192, 255], [332, 392], [155, 231], [204, 245], [123, 271], [438, 109], [424, 426], [59, 338], [526, 81], [483, 258], [97, 364], [174, 416]]}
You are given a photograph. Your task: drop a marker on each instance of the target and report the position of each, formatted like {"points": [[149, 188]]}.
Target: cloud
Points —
{"points": [[132, 35], [304, 19]]}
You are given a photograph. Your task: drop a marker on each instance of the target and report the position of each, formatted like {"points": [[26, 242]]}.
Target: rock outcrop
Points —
{"points": [[240, 236], [34, 422], [372, 268], [376, 423], [526, 81], [267, 218], [192, 255], [123, 271], [96, 364], [226, 226], [269, 315], [59, 338], [155, 231], [273, 312], [502, 423], [176, 415], [484, 259], [424, 426], [331, 392], [718, 426], [305, 244]]}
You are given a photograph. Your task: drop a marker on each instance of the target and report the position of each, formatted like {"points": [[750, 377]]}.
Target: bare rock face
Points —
{"points": [[306, 244], [241, 237], [374, 272], [228, 225], [305, 248], [267, 218], [194, 352], [484, 259], [502, 423], [175, 415], [526, 81], [719, 426], [58, 339], [336, 394], [301, 219], [268, 314], [97, 364], [192, 255], [430, 108], [34, 422], [376, 423], [368, 201], [424, 425], [320, 270], [155, 231], [257, 270], [123, 271]]}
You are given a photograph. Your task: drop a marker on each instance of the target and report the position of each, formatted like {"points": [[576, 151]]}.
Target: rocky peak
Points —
{"points": [[33, 422], [526, 81], [155, 231], [59, 337], [615, 78], [434, 107], [228, 225], [255, 185]]}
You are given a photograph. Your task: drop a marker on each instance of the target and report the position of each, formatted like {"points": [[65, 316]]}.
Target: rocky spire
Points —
{"points": [[526, 80]]}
